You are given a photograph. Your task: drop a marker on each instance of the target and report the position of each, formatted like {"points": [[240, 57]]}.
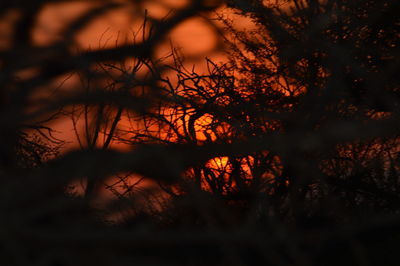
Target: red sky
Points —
{"points": [[196, 37]]}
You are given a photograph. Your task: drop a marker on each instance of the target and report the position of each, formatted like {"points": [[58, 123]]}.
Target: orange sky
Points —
{"points": [[196, 37]]}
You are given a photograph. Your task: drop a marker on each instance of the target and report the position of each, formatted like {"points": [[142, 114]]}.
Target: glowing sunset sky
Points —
{"points": [[197, 38]]}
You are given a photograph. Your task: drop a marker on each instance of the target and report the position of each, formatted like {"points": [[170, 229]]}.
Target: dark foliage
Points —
{"points": [[287, 154]]}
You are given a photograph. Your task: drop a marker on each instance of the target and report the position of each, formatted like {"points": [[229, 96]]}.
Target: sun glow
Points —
{"points": [[218, 162]]}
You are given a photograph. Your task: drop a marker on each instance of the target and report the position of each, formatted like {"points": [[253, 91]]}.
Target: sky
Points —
{"points": [[196, 38]]}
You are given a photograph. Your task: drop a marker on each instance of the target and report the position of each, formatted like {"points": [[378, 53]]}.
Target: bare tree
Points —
{"points": [[289, 145]]}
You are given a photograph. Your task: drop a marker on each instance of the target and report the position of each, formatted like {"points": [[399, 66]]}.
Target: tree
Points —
{"points": [[288, 146]]}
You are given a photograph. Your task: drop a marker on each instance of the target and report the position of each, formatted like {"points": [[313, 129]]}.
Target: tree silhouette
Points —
{"points": [[287, 154]]}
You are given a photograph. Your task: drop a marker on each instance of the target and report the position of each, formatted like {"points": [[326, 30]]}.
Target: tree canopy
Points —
{"points": [[286, 153]]}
